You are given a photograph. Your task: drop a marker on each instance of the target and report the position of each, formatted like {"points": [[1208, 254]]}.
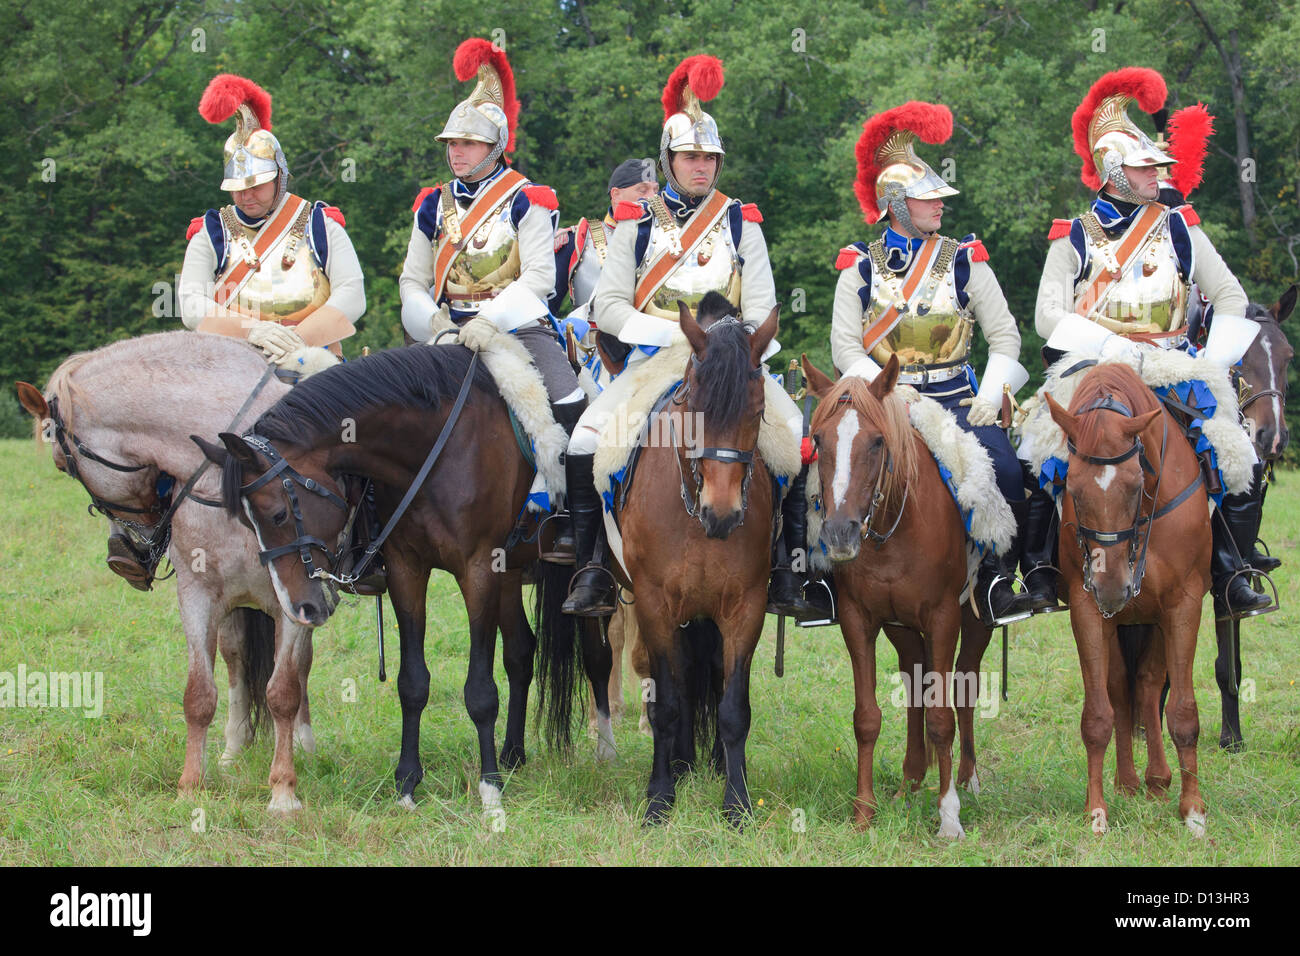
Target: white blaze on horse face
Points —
{"points": [[1106, 477], [1274, 400], [845, 432], [286, 603]]}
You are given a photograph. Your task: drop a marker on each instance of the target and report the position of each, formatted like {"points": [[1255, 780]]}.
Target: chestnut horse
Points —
{"points": [[1137, 501], [697, 531], [378, 418], [879, 481]]}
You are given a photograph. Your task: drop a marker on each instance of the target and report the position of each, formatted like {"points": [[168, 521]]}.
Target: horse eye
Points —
{"points": [[879, 440], [280, 518]]}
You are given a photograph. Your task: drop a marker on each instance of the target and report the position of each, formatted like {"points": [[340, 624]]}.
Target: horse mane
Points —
{"points": [[419, 376], [722, 376], [1110, 378], [889, 418]]}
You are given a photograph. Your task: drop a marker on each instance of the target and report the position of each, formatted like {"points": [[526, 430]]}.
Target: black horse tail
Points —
{"points": [[1134, 639], [257, 633], [702, 654], [558, 654]]}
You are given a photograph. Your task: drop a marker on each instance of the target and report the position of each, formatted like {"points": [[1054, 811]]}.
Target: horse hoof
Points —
{"points": [[656, 814], [304, 739], [973, 784], [738, 816], [1234, 745], [284, 803], [227, 759], [512, 758], [490, 794], [951, 830], [606, 750], [1195, 821], [1099, 820], [406, 802]]}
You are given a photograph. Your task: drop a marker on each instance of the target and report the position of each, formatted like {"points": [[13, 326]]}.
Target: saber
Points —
{"points": [[780, 645], [379, 619]]}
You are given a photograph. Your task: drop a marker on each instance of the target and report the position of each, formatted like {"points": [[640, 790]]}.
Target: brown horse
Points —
{"points": [[696, 527], [1137, 502], [879, 481]]}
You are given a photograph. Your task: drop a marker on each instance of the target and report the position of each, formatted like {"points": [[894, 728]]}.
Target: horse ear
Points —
{"points": [[1069, 423], [763, 335], [214, 453], [819, 383], [1136, 426], [237, 447], [694, 334], [884, 383], [1284, 305], [30, 397]]}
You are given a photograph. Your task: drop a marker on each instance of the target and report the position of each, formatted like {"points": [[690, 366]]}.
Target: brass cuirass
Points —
{"points": [[935, 329], [714, 266], [288, 279], [487, 262], [1150, 297]]}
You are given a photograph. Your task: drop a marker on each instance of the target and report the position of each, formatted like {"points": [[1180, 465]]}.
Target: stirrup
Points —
{"points": [[594, 609], [830, 598], [1005, 619], [1229, 614], [1266, 553], [557, 554]]}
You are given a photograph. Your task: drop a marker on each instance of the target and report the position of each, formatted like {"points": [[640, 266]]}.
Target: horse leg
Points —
{"points": [[911, 666], [615, 634], [481, 588], [1179, 631], [1227, 674], [518, 645], [860, 639], [197, 617], [1117, 686], [684, 675], [598, 661], [740, 635], [303, 737], [283, 697], [1098, 720], [664, 712], [940, 723], [638, 659], [1151, 679], [406, 591], [239, 726], [975, 639]]}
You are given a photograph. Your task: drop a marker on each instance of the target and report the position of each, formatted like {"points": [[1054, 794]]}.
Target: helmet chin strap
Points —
{"points": [[488, 162], [1121, 188], [903, 218]]}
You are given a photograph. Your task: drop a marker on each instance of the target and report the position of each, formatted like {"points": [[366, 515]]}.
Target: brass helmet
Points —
{"points": [[1107, 140], [687, 128], [490, 113], [252, 155], [889, 171]]}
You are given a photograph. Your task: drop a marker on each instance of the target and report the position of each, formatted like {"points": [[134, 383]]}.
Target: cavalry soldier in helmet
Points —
{"points": [[919, 295], [271, 267], [481, 255], [1127, 265], [638, 303]]}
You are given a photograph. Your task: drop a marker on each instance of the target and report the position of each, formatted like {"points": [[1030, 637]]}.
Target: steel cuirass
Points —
{"points": [[714, 266], [582, 284], [934, 330], [1151, 296], [487, 262], [288, 280]]}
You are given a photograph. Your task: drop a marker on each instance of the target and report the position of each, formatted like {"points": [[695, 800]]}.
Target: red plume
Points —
{"points": [[472, 54], [931, 122], [704, 76], [1189, 132], [227, 92], [1143, 84]]}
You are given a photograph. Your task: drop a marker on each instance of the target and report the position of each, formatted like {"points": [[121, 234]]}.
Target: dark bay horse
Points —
{"points": [[879, 482], [1262, 381], [378, 418], [697, 532], [1137, 502]]}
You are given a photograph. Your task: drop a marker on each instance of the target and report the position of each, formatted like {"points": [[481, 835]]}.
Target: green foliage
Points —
{"points": [[108, 93]]}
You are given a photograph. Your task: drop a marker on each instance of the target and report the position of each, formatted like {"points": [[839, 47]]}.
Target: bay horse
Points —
{"points": [[118, 420], [697, 531], [879, 481], [1262, 379], [377, 418], [1137, 501]]}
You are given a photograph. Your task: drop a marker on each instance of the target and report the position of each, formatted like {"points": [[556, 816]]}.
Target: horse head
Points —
{"points": [[298, 511], [1264, 373], [865, 454], [1108, 417], [723, 395]]}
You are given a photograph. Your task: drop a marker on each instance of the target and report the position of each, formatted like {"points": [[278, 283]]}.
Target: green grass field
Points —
{"points": [[77, 790]]}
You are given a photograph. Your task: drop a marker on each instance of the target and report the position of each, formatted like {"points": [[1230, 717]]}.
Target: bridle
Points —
{"points": [[1137, 553], [696, 455]]}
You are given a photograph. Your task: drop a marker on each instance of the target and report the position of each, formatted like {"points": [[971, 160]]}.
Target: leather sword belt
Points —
{"points": [[930, 374]]}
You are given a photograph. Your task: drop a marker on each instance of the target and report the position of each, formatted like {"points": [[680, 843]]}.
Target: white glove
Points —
{"points": [[307, 361], [276, 341], [907, 394], [981, 412], [477, 334]]}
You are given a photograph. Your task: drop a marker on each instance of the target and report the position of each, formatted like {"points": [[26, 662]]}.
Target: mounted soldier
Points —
{"points": [[918, 295], [680, 245], [1125, 268]]}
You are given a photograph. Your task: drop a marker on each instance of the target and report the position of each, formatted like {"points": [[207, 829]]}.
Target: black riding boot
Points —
{"points": [[563, 548], [1038, 550], [591, 592], [1004, 601], [1258, 559], [785, 591], [1234, 535]]}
